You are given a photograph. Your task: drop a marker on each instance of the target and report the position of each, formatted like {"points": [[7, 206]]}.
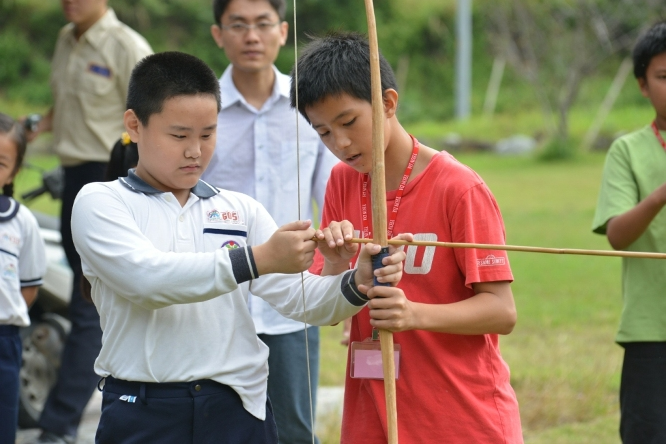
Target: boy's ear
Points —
{"points": [[390, 98], [642, 84], [132, 125], [216, 32]]}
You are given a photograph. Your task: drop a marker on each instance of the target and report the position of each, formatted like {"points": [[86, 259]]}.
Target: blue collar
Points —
{"points": [[8, 208], [202, 189]]}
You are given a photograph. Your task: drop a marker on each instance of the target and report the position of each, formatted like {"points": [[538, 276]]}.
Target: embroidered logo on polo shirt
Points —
{"points": [[127, 398], [9, 272], [214, 216], [230, 217], [14, 240], [230, 245], [99, 70], [490, 261]]}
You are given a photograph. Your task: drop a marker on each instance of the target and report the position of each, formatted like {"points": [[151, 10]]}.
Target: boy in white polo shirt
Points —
{"points": [[171, 260]]}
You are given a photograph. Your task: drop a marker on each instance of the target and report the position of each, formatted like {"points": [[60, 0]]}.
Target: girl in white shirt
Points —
{"points": [[22, 264]]}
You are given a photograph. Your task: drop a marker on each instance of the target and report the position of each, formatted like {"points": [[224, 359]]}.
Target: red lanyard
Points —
{"points": [[365, 201], [658, 134]]}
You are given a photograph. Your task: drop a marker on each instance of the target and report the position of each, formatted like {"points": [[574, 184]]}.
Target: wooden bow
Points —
{"points": [[378, 193]]}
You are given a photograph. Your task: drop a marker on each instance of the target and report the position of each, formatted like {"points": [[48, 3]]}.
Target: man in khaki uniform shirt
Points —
{"points": [[94, 57]]}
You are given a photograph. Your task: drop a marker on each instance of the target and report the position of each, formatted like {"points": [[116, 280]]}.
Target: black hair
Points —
{"points": [[338, 63], [16, 132], [219, 6], [650, 44], [124, 155], [165, 75]]}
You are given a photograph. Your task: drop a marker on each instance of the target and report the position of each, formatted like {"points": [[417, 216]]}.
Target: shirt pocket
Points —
{"points": [[224, 235], [307, 156], [102, 101], [97, 79]]}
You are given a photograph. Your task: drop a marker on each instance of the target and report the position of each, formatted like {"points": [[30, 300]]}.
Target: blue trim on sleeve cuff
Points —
{"points": [[250, 260], [242, 264], [351, 292], [31, 282]]}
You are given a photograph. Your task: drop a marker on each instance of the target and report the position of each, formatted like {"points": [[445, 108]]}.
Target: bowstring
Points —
{"points": [[298, 185]]}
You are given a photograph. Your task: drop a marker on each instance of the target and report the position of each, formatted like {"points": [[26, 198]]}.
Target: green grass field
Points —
{"points": [[565, 366]]}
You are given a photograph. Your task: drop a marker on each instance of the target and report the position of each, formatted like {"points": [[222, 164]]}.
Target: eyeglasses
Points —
{"points": [[242, 28]]}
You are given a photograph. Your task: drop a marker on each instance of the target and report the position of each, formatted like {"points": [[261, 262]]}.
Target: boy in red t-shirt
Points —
{"points": [[451, 304]]}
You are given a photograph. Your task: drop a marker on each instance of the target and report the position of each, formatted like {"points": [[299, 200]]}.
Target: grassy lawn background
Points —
{"points": [[565, 365]]}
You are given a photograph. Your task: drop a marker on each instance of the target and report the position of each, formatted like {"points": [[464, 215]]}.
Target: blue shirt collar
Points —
{"points": [[8, 208], [202, 189]]}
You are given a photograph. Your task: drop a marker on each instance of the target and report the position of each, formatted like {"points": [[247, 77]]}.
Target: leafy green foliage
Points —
{"points": [[415, 36], [556, 45], [24, 50]]}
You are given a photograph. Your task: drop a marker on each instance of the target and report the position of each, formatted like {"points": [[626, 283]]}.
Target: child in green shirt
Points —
{"points": [[630, 213]]}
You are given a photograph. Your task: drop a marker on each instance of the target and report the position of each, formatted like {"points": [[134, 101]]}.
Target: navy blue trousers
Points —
{"points": [[10, 364], [198, 412], [643, 393], [76, 378]]}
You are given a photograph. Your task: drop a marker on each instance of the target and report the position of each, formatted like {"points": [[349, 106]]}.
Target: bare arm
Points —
{"points": [[29, 294], [624, 229], [490, 310]]}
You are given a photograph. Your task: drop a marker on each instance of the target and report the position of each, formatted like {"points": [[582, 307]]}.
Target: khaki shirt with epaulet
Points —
{"points": [[89, 80]]}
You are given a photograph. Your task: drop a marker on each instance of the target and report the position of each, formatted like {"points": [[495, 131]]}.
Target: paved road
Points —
{"points": [[329, 402]]}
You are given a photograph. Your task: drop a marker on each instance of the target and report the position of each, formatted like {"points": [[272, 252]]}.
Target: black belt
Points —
{"points": [[145, 390], [8, 330]]}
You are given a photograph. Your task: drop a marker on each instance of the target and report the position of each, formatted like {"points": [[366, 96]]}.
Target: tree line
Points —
{"points": [[549, 46]]}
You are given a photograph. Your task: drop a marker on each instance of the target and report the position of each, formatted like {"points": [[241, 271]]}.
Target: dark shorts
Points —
{"points": [[643, 393], [179, 413]]}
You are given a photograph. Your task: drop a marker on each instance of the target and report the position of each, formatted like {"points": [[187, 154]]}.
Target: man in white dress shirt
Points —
{"points": [[256, 154]]}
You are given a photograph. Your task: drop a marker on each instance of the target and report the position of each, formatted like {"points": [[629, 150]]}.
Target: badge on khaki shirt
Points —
{"points": [[100, 70]]}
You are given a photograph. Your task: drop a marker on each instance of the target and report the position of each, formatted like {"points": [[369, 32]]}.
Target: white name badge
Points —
{"points": [[366, 359]]}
